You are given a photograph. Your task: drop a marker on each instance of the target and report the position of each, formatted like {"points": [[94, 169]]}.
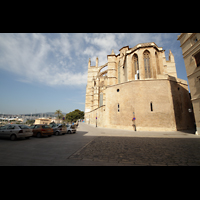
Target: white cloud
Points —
{"points": [[35, 57], [90, 51], [61, 44], [62, 59], [104, 41]]}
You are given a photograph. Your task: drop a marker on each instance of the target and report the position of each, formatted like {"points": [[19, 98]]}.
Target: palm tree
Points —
{"points": [[58, 112]]}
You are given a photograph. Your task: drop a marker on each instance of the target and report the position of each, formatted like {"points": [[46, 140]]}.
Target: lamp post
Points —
{"points": [[96, 119], [134, 120]]}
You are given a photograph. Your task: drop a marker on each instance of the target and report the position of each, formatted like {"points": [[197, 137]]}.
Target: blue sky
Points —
{"points": [[43, 72]]}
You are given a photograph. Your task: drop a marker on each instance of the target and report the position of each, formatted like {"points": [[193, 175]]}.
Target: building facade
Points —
{"points": [[138, 90], [43, 121], [190, 44]]}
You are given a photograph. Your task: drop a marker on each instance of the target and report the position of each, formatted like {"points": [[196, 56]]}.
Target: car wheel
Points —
{"points": [[38, 135], [13, 137], [56, 133], [69, 132], [27, 137]]}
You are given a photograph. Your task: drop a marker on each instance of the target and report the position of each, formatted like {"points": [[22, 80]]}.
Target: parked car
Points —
{"points": [[14, 131], [41, 130], [71, 128], [59, 129]]}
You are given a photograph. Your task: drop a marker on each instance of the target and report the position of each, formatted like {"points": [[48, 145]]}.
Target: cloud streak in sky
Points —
{"points": [[61, 59]]}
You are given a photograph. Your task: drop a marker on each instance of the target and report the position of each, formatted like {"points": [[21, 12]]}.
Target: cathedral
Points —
{"points": [[138, 90]]}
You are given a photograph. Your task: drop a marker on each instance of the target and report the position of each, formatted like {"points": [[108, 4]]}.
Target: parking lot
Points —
{"points": [[100, 146], [49, 151]]}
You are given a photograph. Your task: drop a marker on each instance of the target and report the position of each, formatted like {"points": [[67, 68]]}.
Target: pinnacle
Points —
{"points": [[112, 53]]}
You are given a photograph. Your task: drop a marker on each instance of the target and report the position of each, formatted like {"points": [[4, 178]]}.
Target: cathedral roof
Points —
{"points": [[149, 44]]}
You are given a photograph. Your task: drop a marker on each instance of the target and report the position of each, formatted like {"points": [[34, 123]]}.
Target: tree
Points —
{"points": [[74, 115], [30, 121], [58, 112]]}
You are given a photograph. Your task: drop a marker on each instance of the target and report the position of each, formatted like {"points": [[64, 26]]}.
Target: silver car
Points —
{"points": [[14, 131], [70, 128]]}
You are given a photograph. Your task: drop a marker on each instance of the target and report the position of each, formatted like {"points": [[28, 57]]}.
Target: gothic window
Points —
{"points": [[136, 67], [147, 64]]}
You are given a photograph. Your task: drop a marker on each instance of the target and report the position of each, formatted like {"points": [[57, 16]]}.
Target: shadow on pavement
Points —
{"points": [[189, 131]]}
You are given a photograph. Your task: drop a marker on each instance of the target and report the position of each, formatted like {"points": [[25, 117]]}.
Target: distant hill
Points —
{"points": [[46, 113], [50, 114]]}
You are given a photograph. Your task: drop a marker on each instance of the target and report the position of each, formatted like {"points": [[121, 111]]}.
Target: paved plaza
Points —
{"points": [[142, 151], [141, 148], [104, 147]]}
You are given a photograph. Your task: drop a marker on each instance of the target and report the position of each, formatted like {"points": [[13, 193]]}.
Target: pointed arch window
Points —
{"points": [[136, 67], [147, 64]]}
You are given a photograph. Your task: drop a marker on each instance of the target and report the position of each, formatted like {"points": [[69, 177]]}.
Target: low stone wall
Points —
{"points": [[90, 117]]}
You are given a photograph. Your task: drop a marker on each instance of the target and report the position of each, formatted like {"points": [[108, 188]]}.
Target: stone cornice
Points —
{"points": [[143, 45], [187, 39], [124, 47], [186, 53], [192, 73], [180, 36]]}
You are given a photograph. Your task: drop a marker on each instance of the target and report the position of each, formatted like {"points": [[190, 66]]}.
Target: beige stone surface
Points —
{"points": [[159, 102], [190, 44]]}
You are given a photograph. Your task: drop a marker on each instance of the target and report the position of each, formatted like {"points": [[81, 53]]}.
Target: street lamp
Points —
{"points": [[96, 119], [134, 120]]}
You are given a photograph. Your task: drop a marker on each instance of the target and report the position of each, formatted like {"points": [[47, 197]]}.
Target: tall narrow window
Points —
{"points": [[136, 67], [157, 63], [118, 107], [151, 106], [119, 72], [147, 64], [197, 58], [125, 70], [101, 99]]}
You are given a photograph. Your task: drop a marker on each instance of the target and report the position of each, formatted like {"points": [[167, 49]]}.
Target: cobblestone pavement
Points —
{"points": [[92, 146], [140, 151]]}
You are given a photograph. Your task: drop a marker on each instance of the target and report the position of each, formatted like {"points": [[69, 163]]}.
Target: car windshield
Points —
{"points": [[46, 126], [52, 125], [24, 127]]}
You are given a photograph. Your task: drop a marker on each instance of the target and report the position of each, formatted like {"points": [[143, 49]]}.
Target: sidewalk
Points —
{"points": [[100, 131]]}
